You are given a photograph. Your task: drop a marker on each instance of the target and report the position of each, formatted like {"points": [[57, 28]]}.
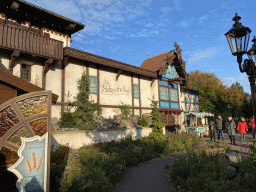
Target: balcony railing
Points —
{"points": [[30, 42]]}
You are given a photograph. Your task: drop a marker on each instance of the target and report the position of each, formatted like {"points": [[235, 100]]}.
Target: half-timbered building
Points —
{"points": [[35, 46]]}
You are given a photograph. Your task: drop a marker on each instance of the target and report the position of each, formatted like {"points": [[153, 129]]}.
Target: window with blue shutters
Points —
{"points": [[136, 91], [93, 84]]}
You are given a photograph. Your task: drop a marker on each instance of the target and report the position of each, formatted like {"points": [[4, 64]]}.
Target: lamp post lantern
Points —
{"points": [[238, 38]]}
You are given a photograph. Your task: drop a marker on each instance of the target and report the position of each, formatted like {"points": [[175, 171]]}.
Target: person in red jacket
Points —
{"points": [[242, 128], [252, 125]]}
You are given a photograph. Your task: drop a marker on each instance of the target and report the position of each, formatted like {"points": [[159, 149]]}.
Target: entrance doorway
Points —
{"points": [[170, 121]]}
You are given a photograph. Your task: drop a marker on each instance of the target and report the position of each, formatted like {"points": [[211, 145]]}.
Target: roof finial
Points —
{"points": [[176, 45], [147, 53]]}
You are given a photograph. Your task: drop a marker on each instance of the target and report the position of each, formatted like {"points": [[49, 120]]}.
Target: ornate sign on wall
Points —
{"points": [[114, 90]]}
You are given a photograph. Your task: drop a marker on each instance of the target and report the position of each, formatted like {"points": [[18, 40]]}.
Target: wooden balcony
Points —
{"points": [[29, 42]]}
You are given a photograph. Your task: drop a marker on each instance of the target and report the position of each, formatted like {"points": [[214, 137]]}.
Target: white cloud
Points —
{"points": [[145, 33], [201, 53], [242, 79]]}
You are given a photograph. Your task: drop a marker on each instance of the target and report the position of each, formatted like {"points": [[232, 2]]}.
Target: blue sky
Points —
{"points": [[124, 30]]}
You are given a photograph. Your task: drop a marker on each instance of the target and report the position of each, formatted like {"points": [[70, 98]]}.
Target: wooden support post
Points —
{"points": [[152, 81], [46, 66], [118, 74], [13, 57], [64, 64]]}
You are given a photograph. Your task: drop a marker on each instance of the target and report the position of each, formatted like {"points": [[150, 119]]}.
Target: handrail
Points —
{"points": [[30, 42]]}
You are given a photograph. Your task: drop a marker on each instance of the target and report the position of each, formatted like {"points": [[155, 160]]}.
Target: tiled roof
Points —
{"points": [[155, 62], [84, 56]]}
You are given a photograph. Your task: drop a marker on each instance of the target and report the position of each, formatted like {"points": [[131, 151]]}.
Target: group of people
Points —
{"points": [[230, 125]]}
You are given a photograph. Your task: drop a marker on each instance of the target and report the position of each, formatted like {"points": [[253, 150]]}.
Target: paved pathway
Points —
{"points": [[148, 176], [241, 147], [151, 176]]}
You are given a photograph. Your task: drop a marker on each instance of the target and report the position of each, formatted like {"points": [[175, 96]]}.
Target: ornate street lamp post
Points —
{"points": [[238, 38], [230, 106]]}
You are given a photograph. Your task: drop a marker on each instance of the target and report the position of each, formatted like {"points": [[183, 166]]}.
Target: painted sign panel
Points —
{"points": [[174, 105], [111, 90], [164, 104], [163, 83], [136, 91], [93, 84], [31, 168], [171, 73], [174, 94], [164, 93]]}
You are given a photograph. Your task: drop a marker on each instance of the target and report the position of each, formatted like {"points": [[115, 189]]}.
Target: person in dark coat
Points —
{"points": [[230, 126], [242, 128], [218, 124], [212, 130]]}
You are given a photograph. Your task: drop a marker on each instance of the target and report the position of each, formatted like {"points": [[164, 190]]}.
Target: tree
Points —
{"points": [[157, 126], [86, 110], [211, 90], [214, 96]]}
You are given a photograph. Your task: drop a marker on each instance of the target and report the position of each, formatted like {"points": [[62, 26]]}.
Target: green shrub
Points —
{"points": [[67, 120], [59, 154], [196, 173], [86, 110], [143, 122], [125, 110]]}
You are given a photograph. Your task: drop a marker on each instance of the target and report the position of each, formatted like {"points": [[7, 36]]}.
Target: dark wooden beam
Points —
{"points": [[46, 66], [71, 26], [63, 79], [152, 81], [13, 57], [118, 73], [14, 5]]}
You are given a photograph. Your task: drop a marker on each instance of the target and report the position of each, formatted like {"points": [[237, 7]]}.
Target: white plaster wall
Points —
{"points": [[4, 59], [155, 91], [146, 92], [136, 102], [37, 75], [136, 112], [92, 70], [145, 111], [56, 111], [53, 79], [73, 72], [77, 139], [16, 68], [93, 97], [108, 113], [135, 79], [108, 80], [64, 38]]}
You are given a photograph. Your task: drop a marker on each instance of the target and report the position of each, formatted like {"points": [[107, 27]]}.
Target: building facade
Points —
{"points": [[35, 46]]}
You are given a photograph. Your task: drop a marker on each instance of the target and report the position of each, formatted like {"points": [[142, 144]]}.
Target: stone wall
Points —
{"points": [[76, 139]]}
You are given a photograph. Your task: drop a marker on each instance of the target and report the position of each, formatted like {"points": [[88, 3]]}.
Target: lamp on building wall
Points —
{"points": [[230, 106], [238, 38]]}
